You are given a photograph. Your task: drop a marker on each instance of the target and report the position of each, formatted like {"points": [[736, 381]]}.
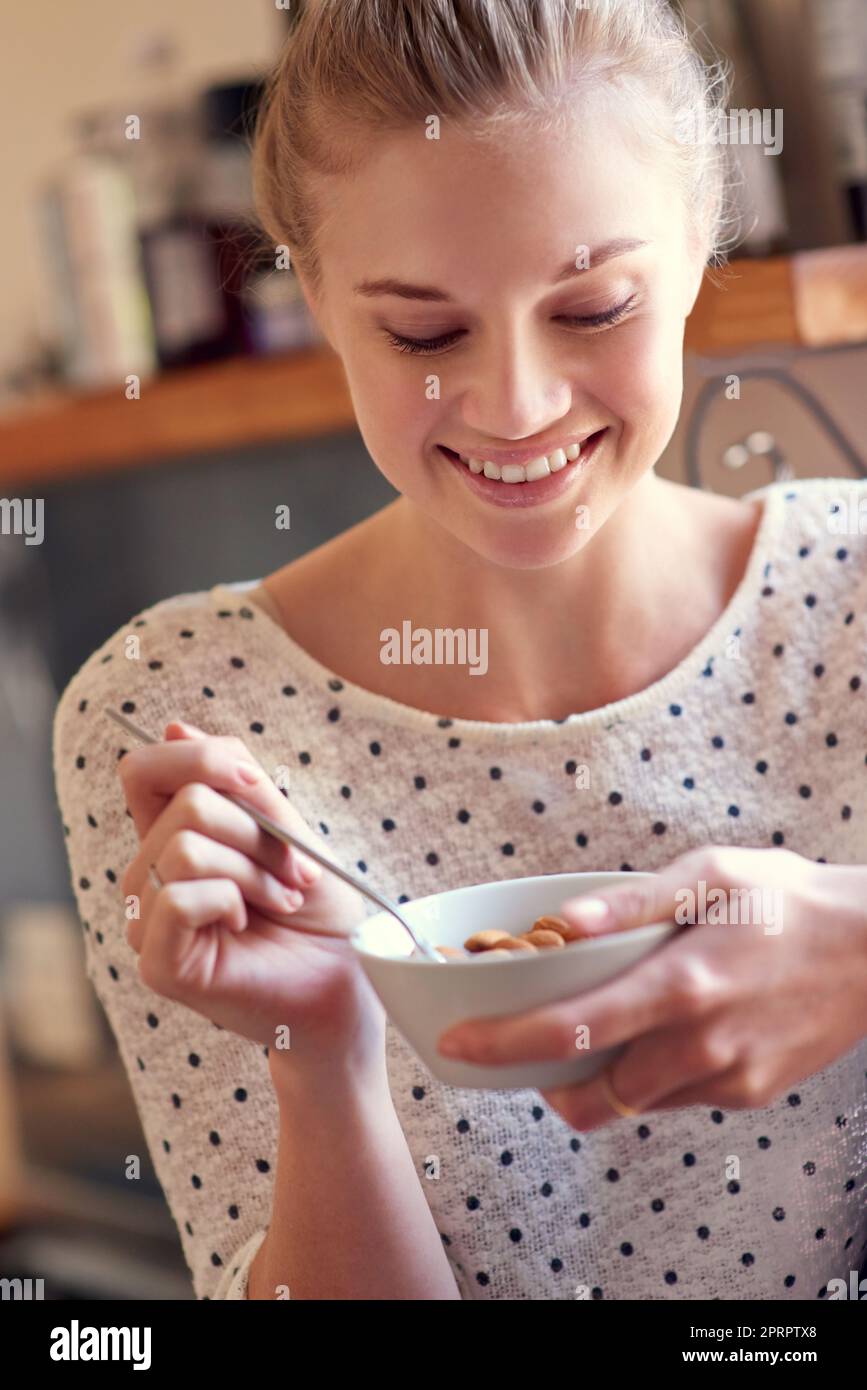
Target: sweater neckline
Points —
{"points": [[586, 721]]}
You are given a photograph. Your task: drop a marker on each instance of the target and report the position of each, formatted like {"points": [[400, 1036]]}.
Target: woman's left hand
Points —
{"points": [[725, 1013]]}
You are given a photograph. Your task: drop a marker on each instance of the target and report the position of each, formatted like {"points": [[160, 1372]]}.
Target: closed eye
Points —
{"points": [[428, 345], [610, 316]]}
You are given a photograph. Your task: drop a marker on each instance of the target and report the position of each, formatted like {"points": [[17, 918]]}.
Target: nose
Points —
{"points": [[516, 389]]}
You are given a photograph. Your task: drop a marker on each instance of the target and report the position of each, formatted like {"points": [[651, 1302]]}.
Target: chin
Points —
{"points": [[532, 547]]}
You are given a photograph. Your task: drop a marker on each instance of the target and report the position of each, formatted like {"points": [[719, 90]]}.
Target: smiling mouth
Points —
{"points": [[516, 473]]}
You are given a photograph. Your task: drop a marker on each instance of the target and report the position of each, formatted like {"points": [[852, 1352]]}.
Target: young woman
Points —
{"points": [[499, 231]]}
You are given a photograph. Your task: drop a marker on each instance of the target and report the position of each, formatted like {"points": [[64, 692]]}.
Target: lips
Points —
{"points": [[527, 493], [523, 464]]}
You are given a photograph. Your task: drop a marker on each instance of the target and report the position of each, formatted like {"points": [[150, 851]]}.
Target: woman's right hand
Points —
{"points": [[220, 935]]}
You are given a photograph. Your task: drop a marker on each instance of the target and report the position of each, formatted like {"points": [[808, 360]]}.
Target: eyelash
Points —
{"points": [[609, 318]]}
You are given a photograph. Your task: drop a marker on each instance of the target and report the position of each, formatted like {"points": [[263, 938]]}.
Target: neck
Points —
{"points": [[572, 636]]}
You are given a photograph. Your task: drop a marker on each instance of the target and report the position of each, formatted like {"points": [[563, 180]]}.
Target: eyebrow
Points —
{"points": [[608, 251]]}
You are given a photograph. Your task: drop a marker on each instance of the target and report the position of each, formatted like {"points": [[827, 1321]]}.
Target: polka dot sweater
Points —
{"points": [[758, 737]]}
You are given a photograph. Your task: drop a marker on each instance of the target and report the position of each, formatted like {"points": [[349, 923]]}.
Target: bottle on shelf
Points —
{"points": [[191, 324], [94, 305], [264, 307], [841, 41]]}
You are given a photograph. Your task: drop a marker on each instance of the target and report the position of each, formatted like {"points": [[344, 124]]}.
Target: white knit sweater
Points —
{"points": [[526, 1207]]}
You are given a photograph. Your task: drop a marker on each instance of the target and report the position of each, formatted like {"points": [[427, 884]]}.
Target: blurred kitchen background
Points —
{"points": [[127, 247]]}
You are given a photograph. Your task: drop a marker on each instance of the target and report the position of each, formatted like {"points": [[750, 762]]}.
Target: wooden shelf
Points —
{"points": [[239, 401], [752, 303], [814, 299]]}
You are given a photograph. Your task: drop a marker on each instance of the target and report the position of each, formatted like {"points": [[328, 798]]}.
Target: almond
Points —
{"points": [[552, 924], [486, 940], [542, 938]]}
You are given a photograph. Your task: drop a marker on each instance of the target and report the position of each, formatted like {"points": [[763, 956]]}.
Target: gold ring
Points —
{"points": [[613, 1098]]}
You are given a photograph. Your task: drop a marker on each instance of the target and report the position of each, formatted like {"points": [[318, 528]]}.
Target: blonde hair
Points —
{"points": [[353, 68]]}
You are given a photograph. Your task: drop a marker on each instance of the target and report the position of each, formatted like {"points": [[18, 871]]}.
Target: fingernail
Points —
{"points": [[588, 910], [450, 1046], [293, 899], [247, 774], [309, 870]]}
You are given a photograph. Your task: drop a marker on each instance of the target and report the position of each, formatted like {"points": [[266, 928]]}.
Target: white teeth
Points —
{"points": [[557, 460], [537, 469], [513, 473], [517, 473]]}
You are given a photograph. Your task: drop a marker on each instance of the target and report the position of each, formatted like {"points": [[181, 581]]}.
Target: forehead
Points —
{"points": [[465, 210]]}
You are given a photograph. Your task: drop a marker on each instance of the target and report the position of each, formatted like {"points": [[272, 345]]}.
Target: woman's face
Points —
{"points": [[475, 244]]}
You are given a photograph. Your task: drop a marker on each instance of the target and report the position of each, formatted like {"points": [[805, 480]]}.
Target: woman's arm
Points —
{"points": [[349, 1217], [203, 1094], [767, 986]]}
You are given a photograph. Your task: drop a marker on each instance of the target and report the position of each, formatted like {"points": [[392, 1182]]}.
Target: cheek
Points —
{"points": [[644, 377], [387, 396], [396, 413]]}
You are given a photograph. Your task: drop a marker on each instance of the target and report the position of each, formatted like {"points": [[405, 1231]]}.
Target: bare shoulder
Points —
{"points": [[719, 534], [727, 525], [713, 508]]}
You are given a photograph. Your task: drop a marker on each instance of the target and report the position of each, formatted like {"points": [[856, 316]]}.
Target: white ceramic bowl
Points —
{"points": [[423, 998]]}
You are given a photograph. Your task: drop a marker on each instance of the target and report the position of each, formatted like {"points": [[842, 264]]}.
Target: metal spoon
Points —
{"points": [[279, 833]]}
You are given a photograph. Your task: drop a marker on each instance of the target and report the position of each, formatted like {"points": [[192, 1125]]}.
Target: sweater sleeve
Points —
{"points": [[203, 1094]]}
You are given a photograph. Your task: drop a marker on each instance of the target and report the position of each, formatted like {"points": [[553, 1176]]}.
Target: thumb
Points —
{"points": [[621, 909], [178, 728]]}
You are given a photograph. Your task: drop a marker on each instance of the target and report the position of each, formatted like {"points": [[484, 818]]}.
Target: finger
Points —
{"points": [[672, 983], [200, 809], [179, 728], [179, 911], [156, 773], [586, 1107], [135, 926], [637, 903], [712, 1090], [190, 855], [152, 775], [724, 1089], [654, 1073], [541, 1035]]}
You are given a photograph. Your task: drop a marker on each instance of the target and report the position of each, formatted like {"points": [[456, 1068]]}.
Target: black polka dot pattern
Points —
{"points": [[767, 750]]}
